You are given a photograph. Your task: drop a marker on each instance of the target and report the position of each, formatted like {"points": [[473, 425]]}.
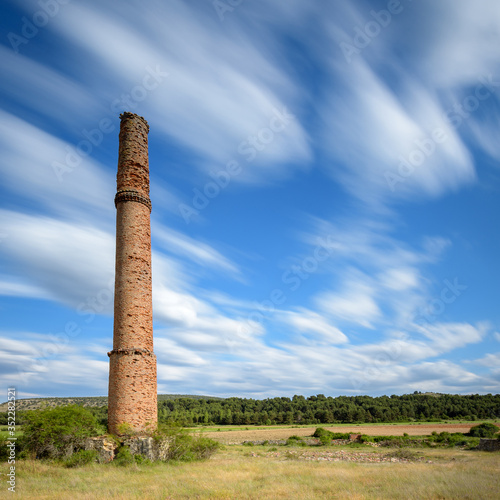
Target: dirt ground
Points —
{"points": [[239, 436]]}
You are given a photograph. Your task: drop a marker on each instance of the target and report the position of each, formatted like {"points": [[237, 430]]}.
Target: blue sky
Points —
{"points": [[325, 187]]}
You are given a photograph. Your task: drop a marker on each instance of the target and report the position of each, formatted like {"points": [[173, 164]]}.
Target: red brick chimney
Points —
{"points": [[132, 395]]}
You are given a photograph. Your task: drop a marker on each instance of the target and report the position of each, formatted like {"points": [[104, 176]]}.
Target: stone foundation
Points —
{"points": [[104, 446], [150, 448]]}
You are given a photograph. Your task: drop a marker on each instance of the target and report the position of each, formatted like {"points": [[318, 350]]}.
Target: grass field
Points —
{"points": [[273, 472], [237, 435]]}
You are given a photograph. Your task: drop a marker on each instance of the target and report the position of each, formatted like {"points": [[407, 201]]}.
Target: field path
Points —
{"points": [[277, 433]]}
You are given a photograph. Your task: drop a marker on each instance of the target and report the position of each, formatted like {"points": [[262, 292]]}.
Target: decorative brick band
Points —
{"points": [[131, 351], [131, 195]]}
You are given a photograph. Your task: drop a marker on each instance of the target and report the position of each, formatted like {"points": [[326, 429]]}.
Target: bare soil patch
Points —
{"points": [[277, 433]]}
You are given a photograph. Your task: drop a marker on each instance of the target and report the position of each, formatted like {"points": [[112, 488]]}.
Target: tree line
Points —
{"points": [[320, 409]]}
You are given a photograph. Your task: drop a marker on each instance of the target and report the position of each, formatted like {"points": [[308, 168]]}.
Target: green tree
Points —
{"points": [[57, 432], [485, 430]]}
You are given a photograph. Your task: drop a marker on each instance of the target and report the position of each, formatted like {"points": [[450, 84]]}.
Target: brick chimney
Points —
{"points": [[132, 395]]}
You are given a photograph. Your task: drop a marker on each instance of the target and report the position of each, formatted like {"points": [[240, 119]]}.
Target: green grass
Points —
{"points": [[245, 473], [271, 472], [229, 428]]}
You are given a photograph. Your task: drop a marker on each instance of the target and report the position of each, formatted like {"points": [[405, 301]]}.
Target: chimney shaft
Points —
{"points": [[132, 396]]}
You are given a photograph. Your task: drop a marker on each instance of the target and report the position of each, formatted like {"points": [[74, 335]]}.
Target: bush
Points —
{"points": [[295, 441], [142, 460], [124, 457], [58, 432], [324, 436], [185, 447], [201, 448], [320, 431], [457, 439], [379, 439], [485, 430], [402, 453], [81, 457]]}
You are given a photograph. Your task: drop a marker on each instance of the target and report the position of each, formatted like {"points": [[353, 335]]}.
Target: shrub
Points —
{"points": [[457, 439], [379, 439], [403, 453], [325, 440], [366, 439], [340, 435], [80, 458], [58, 432], [124, 457], [142, 460], [326, 436], [295, 441], [485, 430], [442, 437], [186, 447], [320, 431], [201, 448]]}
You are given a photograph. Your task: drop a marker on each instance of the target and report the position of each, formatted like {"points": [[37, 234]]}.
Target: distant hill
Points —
{"points": [[94, 401], [433, 394]]}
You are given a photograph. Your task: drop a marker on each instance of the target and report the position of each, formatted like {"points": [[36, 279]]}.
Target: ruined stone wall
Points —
{"points": [[489, 444], [132, 379]]}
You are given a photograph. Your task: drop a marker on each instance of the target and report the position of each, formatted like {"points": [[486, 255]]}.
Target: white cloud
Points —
{"points": [[169, 352], [399, 279], [462, 49], [376, 279], [485, 132], [311, 323], [446, 337], [376, 131], [355, 303], [491, 360], [85, 189], [201, 253], [56, 96], [68, 261], [39, 364], [15, 288]]}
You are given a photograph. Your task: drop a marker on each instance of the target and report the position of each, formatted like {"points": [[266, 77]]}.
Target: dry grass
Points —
{"points": [[246, 473], [239, 435]]}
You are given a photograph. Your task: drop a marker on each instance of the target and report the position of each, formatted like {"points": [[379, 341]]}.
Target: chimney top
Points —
{"points": [[127, 115]]}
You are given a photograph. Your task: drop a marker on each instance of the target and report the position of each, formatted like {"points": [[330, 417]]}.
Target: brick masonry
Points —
{"points": [[132, 395]]}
